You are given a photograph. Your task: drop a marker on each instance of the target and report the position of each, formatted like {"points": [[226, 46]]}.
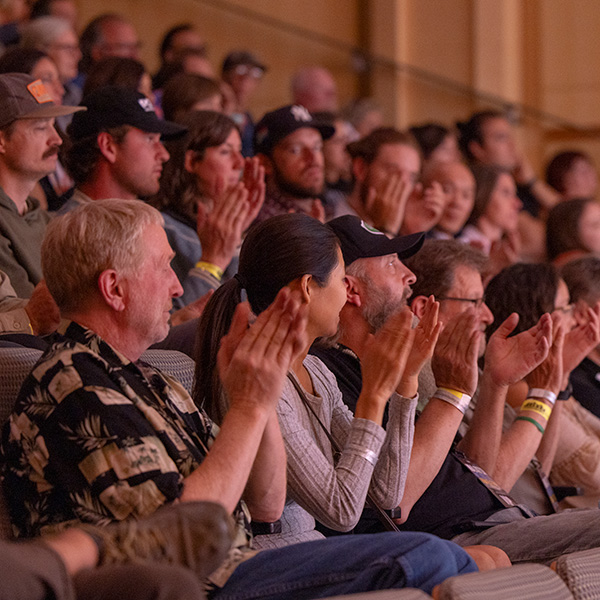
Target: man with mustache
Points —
{"points": [[29, 147], [289, 143]]}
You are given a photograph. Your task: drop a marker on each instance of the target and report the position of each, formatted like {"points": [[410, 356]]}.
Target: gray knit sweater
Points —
{"points": [[335, 495]]}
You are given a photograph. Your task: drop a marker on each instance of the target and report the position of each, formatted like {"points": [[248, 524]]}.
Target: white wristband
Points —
{"points": [[457, 399], [541, 393]]}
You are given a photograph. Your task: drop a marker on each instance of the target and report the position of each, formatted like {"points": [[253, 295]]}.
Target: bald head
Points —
{"points": [[315, 89]]}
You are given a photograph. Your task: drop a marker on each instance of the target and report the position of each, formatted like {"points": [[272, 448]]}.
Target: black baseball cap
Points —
{"points": [[359, 240], [277, 124], [241, 57], [113, 106]]}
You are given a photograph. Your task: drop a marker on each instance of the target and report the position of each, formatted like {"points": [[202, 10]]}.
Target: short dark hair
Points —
{"points": [[368, 147], [170, 35], [429, 136], [436, 262], [114, 70], [275, 252], [182, 91], [562, 227], [560, 165], [21, 60], [472, 130], [525, 288], [582, 277], [81, 156]]}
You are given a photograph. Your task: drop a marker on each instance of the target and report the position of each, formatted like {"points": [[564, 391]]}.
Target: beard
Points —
{"points": [[294, 190], [379, 306]]}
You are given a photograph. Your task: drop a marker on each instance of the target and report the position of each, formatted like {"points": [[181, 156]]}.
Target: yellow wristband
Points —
{"points": [[214, 270], [537, 407]]}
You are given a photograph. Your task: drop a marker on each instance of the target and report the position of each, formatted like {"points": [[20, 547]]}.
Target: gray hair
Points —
{"points": [[436, 262], [43, 32], [99, 235]]}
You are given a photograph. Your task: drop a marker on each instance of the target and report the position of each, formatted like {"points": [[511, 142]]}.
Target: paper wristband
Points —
{"points": [[215, 271], [541, 393], [457, 399], [537, 407]]}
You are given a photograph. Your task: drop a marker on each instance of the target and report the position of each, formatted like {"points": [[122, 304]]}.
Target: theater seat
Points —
{"points": [[581, 572], [524, 581]]}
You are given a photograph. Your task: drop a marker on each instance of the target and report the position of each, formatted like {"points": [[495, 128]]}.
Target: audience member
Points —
{"points": [[13, 13], [107, 35], [118, 300], [116, 149], [208, 197], [177, 39], [50, 190], [573, 175], [493, 226], [28, 151], [315, 89], [337, 164], [438, 144], [188, 92], [289, 143], [574, 444], [243, 72], [365, 116], [119, 71], [162, 556], [386, 166], [488, 138], [467, 501], [573, 230], [63, 9], [57, 37], [582, 277], [458, 187], [38, 316]]}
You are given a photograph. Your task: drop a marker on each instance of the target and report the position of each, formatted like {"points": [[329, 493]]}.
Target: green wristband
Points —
{"points": [[530, 420]]}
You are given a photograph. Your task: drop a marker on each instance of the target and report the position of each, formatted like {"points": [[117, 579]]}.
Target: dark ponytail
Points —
{"points": [[274, 253]]}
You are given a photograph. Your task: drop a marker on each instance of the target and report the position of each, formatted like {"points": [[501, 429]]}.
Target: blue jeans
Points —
{"points": [[346, 565]]}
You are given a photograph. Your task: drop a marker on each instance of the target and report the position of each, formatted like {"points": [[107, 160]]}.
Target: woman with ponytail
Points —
{"points": [[333, 458]]}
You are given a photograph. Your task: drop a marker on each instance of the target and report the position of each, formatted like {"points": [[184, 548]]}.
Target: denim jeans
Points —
{"points": [[346, 565]]}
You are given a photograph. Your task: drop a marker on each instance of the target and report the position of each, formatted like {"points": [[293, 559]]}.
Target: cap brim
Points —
{"points": [[404, 246], [46, 112], [168, 130]]}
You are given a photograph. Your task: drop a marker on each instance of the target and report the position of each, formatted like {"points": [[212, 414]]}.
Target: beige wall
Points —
{"points": [[543, 53]]}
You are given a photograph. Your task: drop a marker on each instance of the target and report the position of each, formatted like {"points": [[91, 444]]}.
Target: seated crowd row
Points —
{"points": [[319, 405]]}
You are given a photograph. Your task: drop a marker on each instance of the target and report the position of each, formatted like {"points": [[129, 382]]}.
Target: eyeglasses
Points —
{"points": [[476, 301], [254, 72], [567, 310]]}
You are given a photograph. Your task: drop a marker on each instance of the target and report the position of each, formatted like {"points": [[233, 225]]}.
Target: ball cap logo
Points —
{"points": [[146, 104], [38, 90], [300, 113], [371, 229]]}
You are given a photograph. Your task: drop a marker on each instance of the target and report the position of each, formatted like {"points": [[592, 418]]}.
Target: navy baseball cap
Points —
{"points": [[277, 124], [359, 240], [113, 106]]}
